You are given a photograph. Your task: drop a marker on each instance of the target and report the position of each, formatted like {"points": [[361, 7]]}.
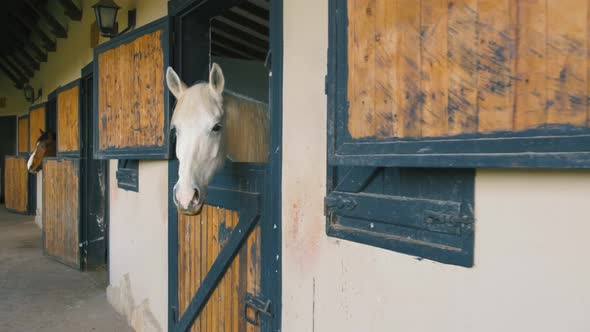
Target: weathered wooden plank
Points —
{"points": [[385, 69], [36, 124], [531, 66], [463, 56], [23, 135], [408, 96], [131, 94], [253, 259], [434, 68], [497, 50], [361, 74], [567, 85], [68, 120]]}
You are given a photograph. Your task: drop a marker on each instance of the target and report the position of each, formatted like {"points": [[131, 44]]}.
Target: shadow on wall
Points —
{"points": [[139, 317]]}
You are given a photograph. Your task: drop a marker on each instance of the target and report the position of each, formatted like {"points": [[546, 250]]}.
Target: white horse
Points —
{"points": [[211, 125]]}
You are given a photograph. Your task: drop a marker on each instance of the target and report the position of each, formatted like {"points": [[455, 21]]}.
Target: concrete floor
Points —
{"points": [[39, 294]]}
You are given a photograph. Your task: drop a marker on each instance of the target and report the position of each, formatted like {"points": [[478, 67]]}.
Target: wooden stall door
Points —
{"points": [[61, 213], [218, 257], [8, 135], [16, 185]]}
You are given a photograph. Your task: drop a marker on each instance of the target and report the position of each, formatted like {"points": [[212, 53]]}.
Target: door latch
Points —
{"points": [[258, 306]]}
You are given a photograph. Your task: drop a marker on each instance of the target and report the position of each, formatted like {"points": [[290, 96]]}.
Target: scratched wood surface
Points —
{"points": [[61, 210], [23, 135], [36, 123], [15, 184], [131, 94], [436, 68], [68, 110], [200, 239]]}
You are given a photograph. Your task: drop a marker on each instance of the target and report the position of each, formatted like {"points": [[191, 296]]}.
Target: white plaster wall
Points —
{"points": [[138, 259], [531, 268]]}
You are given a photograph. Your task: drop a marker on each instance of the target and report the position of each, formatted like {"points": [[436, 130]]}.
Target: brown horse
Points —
{"points": [[45, 147]]}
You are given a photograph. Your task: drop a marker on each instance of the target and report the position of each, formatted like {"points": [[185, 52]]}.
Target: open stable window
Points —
{"points": [[131, 102], [458, 84]]}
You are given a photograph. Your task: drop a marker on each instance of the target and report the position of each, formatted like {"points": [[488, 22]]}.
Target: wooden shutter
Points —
{"points": [[459, 83], [36, 124], [68, 120], [131, 110]]}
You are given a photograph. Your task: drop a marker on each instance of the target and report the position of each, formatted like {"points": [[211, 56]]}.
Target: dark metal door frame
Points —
{"points": [[266, 205]]}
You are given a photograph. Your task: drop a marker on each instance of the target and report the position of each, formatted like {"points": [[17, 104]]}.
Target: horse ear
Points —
{"points": [[42, 132], [175, 85], [216, 79]]}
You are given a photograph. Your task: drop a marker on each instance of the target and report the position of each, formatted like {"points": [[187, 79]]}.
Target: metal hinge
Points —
{"points": [[258, 306], [174, 314], [338, 202]]}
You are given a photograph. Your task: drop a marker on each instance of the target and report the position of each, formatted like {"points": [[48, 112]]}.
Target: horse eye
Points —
{"points": [[217, 127]]}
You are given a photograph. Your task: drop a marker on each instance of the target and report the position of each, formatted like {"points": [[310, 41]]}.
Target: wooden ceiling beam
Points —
{"points": [[72, 10], [246, 22], [48, 42], [59, 30], [22, 77], [28, 58], [17, 82], [252, 9], [22, 66]]}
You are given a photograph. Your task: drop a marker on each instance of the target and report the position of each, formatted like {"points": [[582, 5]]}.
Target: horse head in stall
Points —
{"points": [[198, 123], [45, 147]]}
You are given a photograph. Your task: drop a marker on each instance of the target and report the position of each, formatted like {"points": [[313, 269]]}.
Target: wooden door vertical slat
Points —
{"points": [[408, 97], [361, 52], [566, 56], [496, 83], [463, 48], [384, 60], [434, 69], [531, 67]]}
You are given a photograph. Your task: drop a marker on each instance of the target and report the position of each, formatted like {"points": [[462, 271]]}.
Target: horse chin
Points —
{"points": [[191, 212]]}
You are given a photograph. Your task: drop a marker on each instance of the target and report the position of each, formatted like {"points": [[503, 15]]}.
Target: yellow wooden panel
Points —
{"points": [[23, 135], [200, 239], [61, 209], [37, 123], [131, 94], [68, 113], [16, 183], [437, 68]]}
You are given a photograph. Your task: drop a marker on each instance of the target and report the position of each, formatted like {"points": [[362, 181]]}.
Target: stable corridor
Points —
{"points": [[40, 294]]}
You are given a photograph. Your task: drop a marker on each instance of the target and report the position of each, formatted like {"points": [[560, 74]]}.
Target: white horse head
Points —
{"points": [[199, 122]]}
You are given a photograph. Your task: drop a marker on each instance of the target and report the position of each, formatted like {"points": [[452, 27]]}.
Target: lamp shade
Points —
{"points": [[106, 17]]}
